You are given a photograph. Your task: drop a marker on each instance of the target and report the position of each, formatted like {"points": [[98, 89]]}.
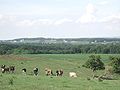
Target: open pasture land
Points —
{"points": [[67, 62]]}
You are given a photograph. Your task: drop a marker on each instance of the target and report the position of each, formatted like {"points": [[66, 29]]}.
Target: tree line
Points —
{"points": [[27, 48]]}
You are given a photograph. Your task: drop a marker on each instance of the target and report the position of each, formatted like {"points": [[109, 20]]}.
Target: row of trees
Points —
{"points": [[59, 48], [95, 63]]}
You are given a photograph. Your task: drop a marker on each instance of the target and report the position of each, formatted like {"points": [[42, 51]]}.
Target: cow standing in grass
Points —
{"points": [[48, 72], [12, 69], [24, 70], [5, 69], [59, 72], [35, 71], [2, 68], [72, 74]]}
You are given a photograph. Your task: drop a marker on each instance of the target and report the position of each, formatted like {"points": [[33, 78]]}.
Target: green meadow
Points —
{"points": [[67, 62]]}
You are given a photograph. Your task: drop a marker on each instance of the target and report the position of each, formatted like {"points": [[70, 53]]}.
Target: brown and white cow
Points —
{"points": [[48, 72], [59, 72]]}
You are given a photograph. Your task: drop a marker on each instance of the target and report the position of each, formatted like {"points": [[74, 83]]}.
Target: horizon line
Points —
{"points": [[58, 38]]}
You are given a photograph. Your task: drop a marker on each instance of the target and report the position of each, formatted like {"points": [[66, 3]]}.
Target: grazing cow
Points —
{"points": [[48, 72], [12, 68], [57, 72], [35, 71], [72, 74], [60, 72], [24, 71], [5, 69], [3, 66]]}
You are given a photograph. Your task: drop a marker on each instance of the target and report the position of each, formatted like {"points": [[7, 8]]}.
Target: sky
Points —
{"points": [[59, 18]]}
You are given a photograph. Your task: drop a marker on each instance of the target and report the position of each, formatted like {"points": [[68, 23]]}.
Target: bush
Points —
{"points": [[94, 63], [115, 63]]}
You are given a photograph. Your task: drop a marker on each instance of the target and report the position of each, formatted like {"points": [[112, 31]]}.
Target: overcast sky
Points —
{"points": [[59, 18]]}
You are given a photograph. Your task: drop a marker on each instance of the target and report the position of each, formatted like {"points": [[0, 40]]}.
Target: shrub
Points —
{"points": [[115, 63], [94, 63]]}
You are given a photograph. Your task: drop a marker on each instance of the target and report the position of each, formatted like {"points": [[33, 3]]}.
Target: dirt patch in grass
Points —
{"points": [[14, 57]]}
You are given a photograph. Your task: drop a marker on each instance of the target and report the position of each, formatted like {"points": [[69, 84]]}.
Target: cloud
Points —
{"points": [[35, 22], [6, 19], [1, 16], [88, 16], [45, 21], [115, 18], [90, 9], [17, 21], [25, 23], [61, 21], [103, 2]]}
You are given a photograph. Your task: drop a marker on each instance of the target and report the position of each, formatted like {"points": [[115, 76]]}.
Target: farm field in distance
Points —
{"points": [[67, 62]]}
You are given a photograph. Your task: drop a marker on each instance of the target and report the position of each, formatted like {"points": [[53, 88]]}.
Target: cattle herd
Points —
{"points": [[48, 71], [5, 69]]}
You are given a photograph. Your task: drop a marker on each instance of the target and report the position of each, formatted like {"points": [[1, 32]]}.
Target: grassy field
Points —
{"points": [[67, 62]]}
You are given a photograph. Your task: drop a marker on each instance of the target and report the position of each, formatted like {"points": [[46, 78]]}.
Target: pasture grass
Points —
{"points": [[67, 62]]}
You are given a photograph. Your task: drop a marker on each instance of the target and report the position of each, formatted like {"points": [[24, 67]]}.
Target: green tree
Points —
{"points": [[94, 63], [115, 63]]}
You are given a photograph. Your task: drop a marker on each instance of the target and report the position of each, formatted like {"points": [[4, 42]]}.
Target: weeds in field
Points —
{"points": [[10, 82]]}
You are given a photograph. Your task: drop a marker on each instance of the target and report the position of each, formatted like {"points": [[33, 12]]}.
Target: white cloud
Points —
{"points": [[103, 2], [90, 9], [45, 21], [6, 19], [1, 16], [112, 18], [25, 23], [88, 16], [63, 21], [35, 22]]}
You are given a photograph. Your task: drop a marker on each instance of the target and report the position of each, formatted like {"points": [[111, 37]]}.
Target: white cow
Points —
{"points": [[72, 74]]}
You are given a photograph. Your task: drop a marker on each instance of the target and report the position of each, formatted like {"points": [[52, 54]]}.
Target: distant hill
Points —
{"points": [[64, 40]]}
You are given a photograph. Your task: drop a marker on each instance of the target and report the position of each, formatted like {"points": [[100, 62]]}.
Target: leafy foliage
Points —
{"points": [[115, 63], [18, 48], [94, 63]]}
